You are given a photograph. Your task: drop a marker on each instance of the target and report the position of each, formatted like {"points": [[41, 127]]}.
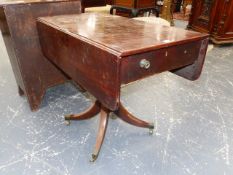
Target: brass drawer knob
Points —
{"points": [[144, 64]]}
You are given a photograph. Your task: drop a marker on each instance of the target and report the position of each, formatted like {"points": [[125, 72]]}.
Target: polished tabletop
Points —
{"points": [[7, 2], [123, 36]]}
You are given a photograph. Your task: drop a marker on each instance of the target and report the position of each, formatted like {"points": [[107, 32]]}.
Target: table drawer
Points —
{"points": [[138, 66]]}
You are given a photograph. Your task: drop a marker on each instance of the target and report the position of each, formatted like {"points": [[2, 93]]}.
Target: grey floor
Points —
{"points": [[194, 126]]}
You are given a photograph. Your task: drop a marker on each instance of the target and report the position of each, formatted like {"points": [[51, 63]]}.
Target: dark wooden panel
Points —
{"points": [[223, 29], [10, 50], [124, 3], [160, 60], [203, 15], [33, 72], [145, 3], [95, 69], [135, 3], [213, 17]]}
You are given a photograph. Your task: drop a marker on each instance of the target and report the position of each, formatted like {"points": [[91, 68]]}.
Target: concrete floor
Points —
{"points": [[194, 133]]}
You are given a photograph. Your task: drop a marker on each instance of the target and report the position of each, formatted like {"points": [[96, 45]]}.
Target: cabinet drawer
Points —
{"points": [[138, 66]]}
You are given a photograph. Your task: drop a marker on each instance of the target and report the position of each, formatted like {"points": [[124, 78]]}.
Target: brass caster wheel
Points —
{"points": [[67, 122], [93, 157], [151, 131]]}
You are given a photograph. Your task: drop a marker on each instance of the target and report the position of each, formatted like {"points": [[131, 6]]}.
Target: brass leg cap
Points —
{"points": [[151, 126], [67, 117], [67, 122], [151, 131], [93, 157]]}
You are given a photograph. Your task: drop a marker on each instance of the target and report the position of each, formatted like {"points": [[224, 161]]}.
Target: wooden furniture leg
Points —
{"points": [[78, 86], [129, 118], [104, 115], [89, 113], [20, 91], [134, 13], [184, 9], [111, 10], [185, 4]]}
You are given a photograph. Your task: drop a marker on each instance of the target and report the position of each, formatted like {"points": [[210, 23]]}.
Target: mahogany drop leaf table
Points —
{"points": [[102, 52]]}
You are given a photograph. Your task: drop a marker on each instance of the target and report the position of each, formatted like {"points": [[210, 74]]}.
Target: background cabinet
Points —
{"points": [[214, 17]]}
